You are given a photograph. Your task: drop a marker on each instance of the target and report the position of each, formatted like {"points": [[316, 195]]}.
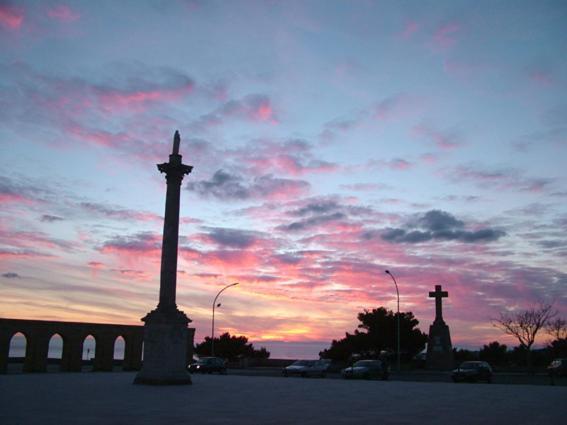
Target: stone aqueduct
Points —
{"points": [[38, 333]]}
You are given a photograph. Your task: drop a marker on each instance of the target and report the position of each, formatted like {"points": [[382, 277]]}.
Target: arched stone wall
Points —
{"points": [[39, 332]]}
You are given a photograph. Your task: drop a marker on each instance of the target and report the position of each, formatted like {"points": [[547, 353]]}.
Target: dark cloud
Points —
{"points": [[552, 244], [11, 275], [233, 238], [140, 242], [222, 186], [438, 221], [317, 207], [46, 218], [288, 258], [20, 190], [437, 225], [116, 212], [226, 186], [318, 211], [328, 206], [499, 179], [308, 223]]}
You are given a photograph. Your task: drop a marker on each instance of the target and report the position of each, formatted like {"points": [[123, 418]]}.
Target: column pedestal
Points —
{"points": [[439, 347], [165, 349]]}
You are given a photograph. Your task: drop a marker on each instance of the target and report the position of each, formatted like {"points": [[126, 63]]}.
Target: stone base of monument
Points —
{"points": [[165, 349], [439, 348]]}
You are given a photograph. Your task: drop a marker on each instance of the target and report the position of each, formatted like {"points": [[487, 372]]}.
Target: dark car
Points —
{"points": [[208, 365], [367, 369], [307, 368], [472, 371], [558, 367]]}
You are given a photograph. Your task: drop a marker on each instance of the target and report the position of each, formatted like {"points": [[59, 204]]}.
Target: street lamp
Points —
{"points": [[398, 294], [213, 326]]}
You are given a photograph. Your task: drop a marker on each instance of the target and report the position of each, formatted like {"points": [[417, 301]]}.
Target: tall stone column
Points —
{"points": [[165, 329]]}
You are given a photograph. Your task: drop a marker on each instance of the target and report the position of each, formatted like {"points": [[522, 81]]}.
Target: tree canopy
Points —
{"points": [[524, 325], [377, 332], [494, 353], [231, 348]]}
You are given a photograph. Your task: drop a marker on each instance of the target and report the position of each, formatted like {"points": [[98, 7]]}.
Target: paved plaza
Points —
{"points": [[111, 398]]}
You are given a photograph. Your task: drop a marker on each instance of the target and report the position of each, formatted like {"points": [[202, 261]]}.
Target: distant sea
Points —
{"points": [[277, 349]]}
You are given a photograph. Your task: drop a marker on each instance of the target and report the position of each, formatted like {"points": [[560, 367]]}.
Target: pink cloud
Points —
{"points": [[541, 77], [63, 13], [95, 266], [130, 274], [443, 139], [22, 254], [410, 28], [293, 157], [398, 164], [141, 248], [397, 107], [15, 198], [11, 17], [33, 240], [98, 137], [117, 99], [264, 112], [445, 36], [253, 107]]}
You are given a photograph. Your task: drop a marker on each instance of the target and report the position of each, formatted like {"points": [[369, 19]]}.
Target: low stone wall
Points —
{"points": [[39, 332]]}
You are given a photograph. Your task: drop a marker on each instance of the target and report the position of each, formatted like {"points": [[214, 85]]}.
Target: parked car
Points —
{"points": [[472, 371], [307, 368], [558, 367], [208, 365], [367, 369], [419, 361]]}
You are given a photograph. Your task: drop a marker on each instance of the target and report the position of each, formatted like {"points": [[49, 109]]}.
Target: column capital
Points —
{"points": [[174, 169]]}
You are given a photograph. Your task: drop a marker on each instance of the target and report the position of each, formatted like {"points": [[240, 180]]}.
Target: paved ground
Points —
{"points": [[110, 398]]}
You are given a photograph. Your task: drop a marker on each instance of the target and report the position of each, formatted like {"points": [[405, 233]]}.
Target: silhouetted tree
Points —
{"points": [[463, 355], [557, 328], [558, 348], [494, 353], [378, 332], [525, 325], [231, 348]]}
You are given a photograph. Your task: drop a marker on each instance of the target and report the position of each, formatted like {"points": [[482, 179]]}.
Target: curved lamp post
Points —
{"points": [[398, 294], [213, 325]]}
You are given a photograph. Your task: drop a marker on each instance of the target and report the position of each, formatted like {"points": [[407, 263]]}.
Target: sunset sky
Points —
{"points": [[330, 140]]}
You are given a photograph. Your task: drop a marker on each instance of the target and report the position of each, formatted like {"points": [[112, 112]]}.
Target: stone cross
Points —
{"points": [[438, 294]]}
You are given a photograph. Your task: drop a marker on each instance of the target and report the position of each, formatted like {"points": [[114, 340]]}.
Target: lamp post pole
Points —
{"points": [[213, 324], [398, 294]]}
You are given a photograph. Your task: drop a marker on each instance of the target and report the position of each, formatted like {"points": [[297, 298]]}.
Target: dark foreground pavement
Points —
{"points": [[110, 398]]}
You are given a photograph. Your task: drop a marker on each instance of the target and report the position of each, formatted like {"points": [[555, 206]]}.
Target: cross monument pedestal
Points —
{"points": [[439, 348], [165, 330]]}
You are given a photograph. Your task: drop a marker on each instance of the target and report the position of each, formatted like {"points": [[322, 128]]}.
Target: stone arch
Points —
{"points": [[18, 350], [88, 351], [55, 351], [118, 354]]}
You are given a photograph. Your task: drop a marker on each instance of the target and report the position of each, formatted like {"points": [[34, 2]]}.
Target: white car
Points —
{"points": [[307, 368]]}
